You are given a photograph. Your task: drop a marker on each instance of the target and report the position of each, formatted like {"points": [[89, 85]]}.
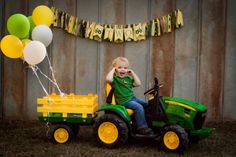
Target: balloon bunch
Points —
{"points": [[19, 45], [29, 37]]}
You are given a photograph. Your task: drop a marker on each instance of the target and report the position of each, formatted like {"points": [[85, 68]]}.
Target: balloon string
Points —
{"points": [[38, 69], [34, 70], [53, 76]]}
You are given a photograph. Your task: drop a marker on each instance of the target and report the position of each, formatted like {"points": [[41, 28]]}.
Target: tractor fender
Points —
{"points": [[118, 110]]}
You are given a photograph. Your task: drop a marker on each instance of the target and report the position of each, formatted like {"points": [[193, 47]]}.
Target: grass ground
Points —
{"points": [[28, 139]]}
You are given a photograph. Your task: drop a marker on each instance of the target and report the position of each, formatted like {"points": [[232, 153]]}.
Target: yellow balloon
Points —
{"points": [[12, 46], [24, 42], [42, 15]]}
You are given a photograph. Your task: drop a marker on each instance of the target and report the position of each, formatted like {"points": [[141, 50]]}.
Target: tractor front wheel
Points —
{"points": [[174, 138], [110, 130]]}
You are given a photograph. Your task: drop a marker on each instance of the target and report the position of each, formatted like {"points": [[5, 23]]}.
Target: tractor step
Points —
{"points": [[145, 136]]}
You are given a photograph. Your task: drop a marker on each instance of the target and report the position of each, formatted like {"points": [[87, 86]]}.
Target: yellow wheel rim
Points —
{"points": [[61, 135], [171, 140], [108, 132]]}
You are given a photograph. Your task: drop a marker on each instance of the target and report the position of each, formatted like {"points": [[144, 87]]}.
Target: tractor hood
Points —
{"points": [[185, 103]]}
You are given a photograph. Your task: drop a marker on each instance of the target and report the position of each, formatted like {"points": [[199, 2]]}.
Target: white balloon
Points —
{"points": [[42, 33], [34, 52]]}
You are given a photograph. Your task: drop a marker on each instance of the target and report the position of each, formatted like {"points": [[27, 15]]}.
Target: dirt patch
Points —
{"points": [[28, 139]]}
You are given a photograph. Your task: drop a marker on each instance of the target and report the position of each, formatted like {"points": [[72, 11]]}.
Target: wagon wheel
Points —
{"points": [[174, 138], [61, 133], [110, 131]]}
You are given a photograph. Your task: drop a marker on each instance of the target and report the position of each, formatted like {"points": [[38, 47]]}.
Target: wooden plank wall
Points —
{"points": [[33, 88], [138, 53], [14, 71], [187, 52], [1, 59], [212, 56], [63, 51], [229, 92], [87, 53], [195, 62], [112, 12], [162, 49]]}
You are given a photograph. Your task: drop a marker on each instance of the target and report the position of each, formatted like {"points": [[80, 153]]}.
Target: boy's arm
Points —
{"points": [[109, 77], [137, 81]]}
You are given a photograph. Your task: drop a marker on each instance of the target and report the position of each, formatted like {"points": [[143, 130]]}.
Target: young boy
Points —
{"points": [[122, 80]]}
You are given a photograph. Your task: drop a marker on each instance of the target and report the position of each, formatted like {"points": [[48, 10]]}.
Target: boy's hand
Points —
{"points": [[137, 81], [115, 71], [109, 77], [130, 72]]}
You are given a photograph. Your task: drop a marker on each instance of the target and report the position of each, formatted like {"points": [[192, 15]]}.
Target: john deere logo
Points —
{"points": [[98, 31], [125, 82], [138, 31]]}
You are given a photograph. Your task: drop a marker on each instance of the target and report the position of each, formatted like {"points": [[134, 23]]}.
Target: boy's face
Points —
{"points": [[122, 69]]}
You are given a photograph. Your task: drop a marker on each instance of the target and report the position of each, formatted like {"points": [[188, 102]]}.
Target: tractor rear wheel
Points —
{"points": [[110, 130], [174, 138]]}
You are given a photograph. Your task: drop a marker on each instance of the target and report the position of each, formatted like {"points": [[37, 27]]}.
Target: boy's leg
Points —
{"points": [[140, 101], [138, 113]]}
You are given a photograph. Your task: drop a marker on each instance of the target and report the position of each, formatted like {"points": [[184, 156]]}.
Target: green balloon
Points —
{"points": [[18, 25], [27, 36], [32, 25]]}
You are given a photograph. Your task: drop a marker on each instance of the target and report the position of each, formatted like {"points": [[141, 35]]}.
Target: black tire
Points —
{"points": [[117, 124], [67, 133], [174, 138], [75, 128]]}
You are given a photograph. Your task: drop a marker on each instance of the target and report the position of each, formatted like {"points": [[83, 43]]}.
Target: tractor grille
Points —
{"points": [[199, 120]]}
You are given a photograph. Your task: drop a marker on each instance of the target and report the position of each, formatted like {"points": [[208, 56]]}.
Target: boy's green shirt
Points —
{"points": [[123, 89]]}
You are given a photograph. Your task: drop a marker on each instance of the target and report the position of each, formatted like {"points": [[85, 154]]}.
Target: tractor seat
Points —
{"points": [[111, 98], [130, 111]]}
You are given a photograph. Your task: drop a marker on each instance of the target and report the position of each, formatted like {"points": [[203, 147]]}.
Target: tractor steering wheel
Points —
{"points": [[155, 88]]}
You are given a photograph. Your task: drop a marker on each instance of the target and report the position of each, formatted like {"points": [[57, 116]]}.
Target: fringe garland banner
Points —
{"points": [[128, 33], [108, 34], [117, 33]]}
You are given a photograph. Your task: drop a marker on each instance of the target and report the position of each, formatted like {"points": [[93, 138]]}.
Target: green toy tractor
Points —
{"points": [[175, 122]]}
